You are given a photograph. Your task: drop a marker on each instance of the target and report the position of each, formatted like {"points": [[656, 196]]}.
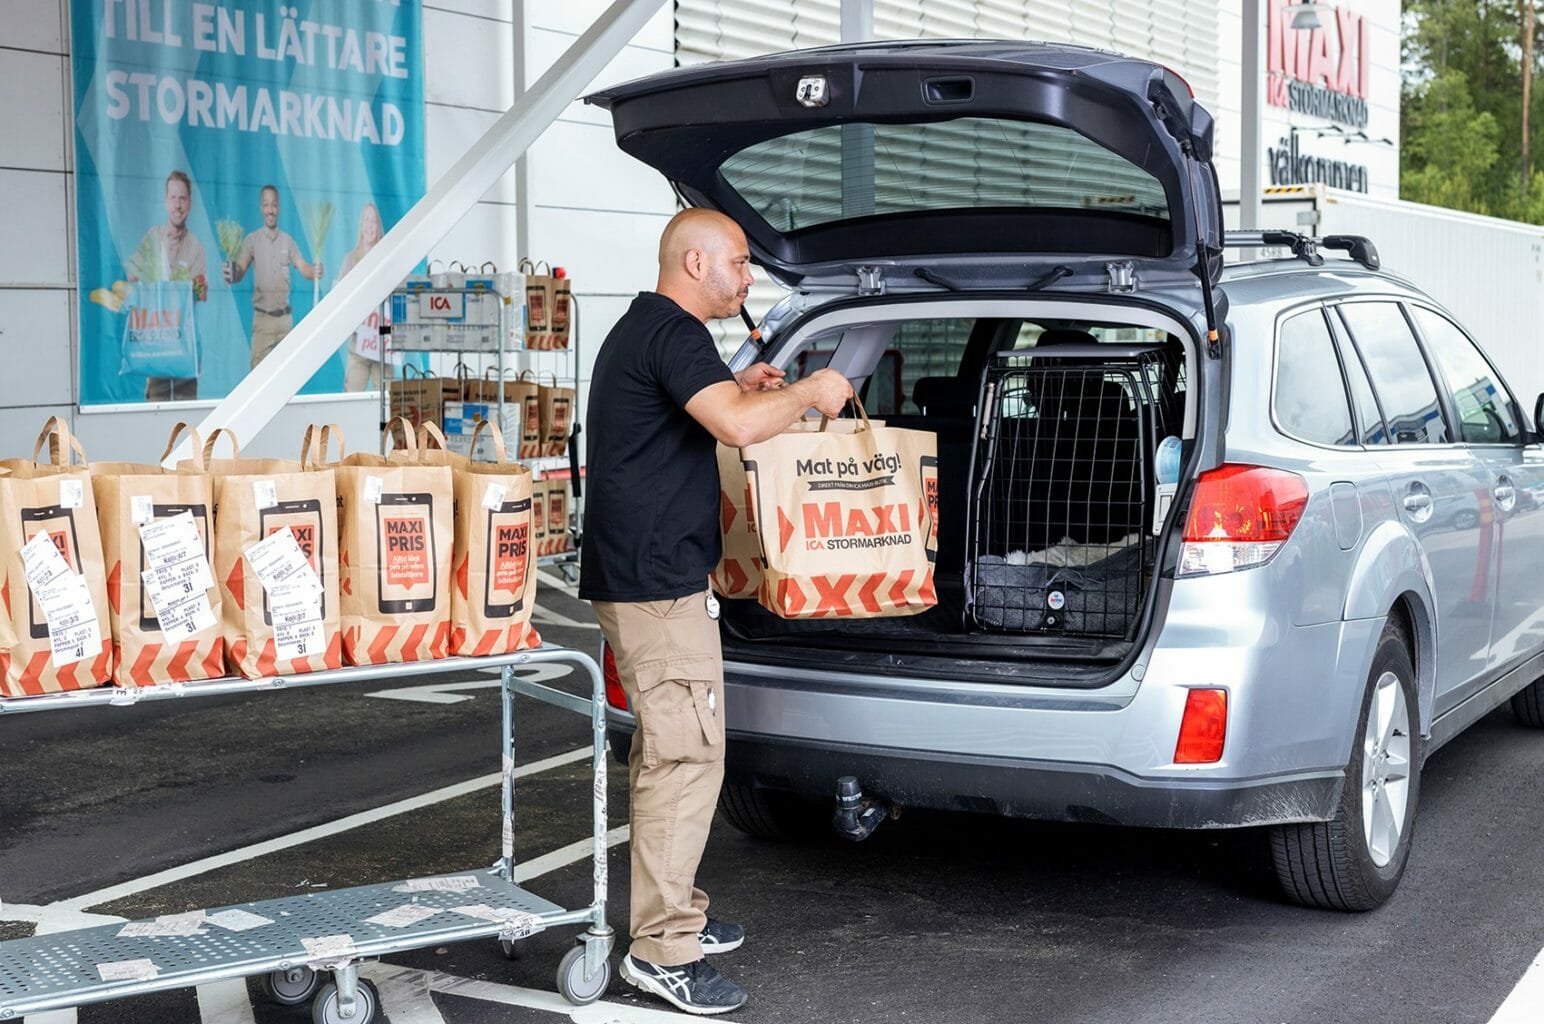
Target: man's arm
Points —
{"points": [[243, 260], [738, 418]]}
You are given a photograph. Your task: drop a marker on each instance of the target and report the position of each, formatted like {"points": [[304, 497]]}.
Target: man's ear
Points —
{"points": [[696, 264]]}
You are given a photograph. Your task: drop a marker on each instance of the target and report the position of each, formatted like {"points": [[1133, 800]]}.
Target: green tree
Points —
{"points": [[1450, 147]]}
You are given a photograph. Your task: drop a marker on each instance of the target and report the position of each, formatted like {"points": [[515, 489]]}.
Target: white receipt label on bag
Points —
{"points": [[278, 559], [72, 493], [373, 487], [264, 494], [141, 509], [493, 497], [41, 561]]}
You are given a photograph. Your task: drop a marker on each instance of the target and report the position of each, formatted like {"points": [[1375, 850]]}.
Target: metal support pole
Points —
{"points": [[857, 21], [1250, 197], [254, 402], [507, 784]]}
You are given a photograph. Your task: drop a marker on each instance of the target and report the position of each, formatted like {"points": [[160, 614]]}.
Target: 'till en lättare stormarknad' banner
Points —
{"points": [[265, 145]]}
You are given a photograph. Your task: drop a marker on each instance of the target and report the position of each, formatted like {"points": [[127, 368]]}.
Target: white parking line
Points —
{"points": [[558, 583], [445, 693], [1526, 1003], [224, 1002], [549, 617]]}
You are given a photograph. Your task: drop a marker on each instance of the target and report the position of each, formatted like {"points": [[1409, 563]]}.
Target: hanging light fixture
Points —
{"points": [[1304, 16]]}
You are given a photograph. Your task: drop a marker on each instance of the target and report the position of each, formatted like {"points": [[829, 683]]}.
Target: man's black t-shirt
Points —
{"points": [[651, 491]]}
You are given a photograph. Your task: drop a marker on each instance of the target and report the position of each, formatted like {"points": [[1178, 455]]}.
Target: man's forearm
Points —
{"points": [[764, 414]]}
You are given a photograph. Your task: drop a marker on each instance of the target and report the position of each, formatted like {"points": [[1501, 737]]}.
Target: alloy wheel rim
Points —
{"points": [[1385, 769]]}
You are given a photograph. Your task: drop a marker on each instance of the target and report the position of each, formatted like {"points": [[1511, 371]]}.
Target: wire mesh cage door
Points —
{"points": [[1060, 539]]}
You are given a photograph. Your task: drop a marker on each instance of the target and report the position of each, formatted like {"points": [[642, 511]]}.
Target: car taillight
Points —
{"points": [[615, 695], [1204, 728], [1239, 518]]}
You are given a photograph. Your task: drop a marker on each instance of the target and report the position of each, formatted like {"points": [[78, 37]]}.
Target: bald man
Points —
{"points": [[659, 398]]}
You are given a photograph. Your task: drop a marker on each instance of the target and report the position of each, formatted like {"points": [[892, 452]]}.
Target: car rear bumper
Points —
{"points": [[1028, 789]]}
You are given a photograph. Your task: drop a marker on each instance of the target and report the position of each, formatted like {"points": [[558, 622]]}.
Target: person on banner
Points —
{"points": [[659, 399], [362, 371], [273, 252], [170, 252]]}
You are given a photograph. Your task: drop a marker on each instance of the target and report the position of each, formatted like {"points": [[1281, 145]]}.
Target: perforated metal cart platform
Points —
{"points": [[295, 943]]}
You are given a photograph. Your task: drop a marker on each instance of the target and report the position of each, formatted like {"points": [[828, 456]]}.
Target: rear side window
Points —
{"points": [[1485, 411], [1310, 394], [1399, 372]]}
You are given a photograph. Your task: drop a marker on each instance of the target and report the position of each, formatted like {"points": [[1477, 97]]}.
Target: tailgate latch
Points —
{"points": [[1123, 276], [871, 281]]}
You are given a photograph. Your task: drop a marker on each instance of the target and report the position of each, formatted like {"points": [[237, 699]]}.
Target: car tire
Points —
{"points": [[772, 814], [1528, 704], [1343, 863]]}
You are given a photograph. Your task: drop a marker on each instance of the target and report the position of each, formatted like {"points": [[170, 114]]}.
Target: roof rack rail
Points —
{"points": [[1305, 247]]}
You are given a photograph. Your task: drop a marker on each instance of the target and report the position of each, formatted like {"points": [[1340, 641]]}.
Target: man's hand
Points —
{"points": [[759, 377], [832, 391]]}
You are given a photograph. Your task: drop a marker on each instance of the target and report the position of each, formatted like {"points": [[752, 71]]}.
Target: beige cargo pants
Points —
{"points": [[672, 670]]}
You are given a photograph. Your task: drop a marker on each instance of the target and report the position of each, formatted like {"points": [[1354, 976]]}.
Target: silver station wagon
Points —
{"points": [[1220, 546]]}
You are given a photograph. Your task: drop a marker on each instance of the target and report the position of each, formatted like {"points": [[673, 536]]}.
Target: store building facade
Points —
{"points": [[1329, 81]]}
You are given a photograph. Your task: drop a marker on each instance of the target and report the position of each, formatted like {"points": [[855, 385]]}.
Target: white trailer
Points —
{"points": [[1488, 271]]}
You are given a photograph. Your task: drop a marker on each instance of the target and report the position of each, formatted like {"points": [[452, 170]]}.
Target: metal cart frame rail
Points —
{"points": [[60, 970]]}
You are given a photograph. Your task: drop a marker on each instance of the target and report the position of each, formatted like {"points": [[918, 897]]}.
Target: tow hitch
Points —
{"points": [[857, 816]]}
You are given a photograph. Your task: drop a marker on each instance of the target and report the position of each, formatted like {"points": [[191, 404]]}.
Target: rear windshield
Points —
{"points": [[841, 172]]}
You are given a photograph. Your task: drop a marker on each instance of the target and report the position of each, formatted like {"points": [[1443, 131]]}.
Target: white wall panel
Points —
{"points": [[488, 10], [467, 61], [19, 429], [487, 232], [35, 347], [616, 253], [579, 165], [448, 133], [576, 16], [32, 118], [37, 25], [32, 232]]}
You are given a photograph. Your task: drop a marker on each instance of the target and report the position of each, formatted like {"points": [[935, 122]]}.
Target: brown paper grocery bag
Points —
{"points": [[493, 588], [64, 641], [419, 397], [844, 521], [395, 555], [151, 647], [738, 573], [254, 500], [562, 309], [557, 516], [539, 290], [557, 416]]}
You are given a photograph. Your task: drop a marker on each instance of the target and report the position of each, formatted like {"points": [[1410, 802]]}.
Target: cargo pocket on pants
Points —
{"points": [[678, 715]]}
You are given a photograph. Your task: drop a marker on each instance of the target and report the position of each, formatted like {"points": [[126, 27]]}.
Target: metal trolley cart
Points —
{"points": [[297, 942]]}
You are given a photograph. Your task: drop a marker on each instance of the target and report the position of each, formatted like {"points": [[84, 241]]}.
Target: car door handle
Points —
{"points": [[1418, 503], [1505, 494]]}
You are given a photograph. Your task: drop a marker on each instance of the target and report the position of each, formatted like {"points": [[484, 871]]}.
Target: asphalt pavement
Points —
{"points": [[938, 917]]}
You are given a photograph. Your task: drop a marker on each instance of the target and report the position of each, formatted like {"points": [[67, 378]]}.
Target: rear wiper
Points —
{"points": [[1044, 281]]}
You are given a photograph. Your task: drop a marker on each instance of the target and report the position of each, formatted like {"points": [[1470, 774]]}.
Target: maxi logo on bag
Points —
{"points": [[407, 562], [835, 525], [511, 545]]}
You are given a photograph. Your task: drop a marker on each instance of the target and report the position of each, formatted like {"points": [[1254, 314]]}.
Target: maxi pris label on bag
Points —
{"points": [[63, 597], [831, 520], [405, 556], [509, 558], [293, 591]]}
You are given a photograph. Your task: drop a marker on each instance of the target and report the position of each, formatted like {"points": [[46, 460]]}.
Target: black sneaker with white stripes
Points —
{"points": [[720, 937], [694, 987]]}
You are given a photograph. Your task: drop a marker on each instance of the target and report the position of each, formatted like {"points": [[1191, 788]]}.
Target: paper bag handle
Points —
{"points": [[532, 373], [409, 437], [214, 436], [57, 432], [428, 431], [856, 403], [554, 385], [197, 446], [315, 445], [499, 454], [526, 265]]}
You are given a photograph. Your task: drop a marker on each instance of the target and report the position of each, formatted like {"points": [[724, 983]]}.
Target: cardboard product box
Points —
{"points": [[460, 423]]}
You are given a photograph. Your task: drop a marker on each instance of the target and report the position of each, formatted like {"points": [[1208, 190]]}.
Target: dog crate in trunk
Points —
{"points": [[1063, 535]]}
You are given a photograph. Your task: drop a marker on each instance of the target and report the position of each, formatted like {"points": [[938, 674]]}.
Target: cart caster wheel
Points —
{"points": [[513, 949], [367, 1003], [571, 982], [291, 987]]}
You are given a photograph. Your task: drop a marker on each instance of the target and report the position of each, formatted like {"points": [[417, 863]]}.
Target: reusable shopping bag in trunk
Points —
{"points": [[493, 589], [739, 570], [394, 563], [276, 560], [844, 521], [55, 634], [158, 541]]}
